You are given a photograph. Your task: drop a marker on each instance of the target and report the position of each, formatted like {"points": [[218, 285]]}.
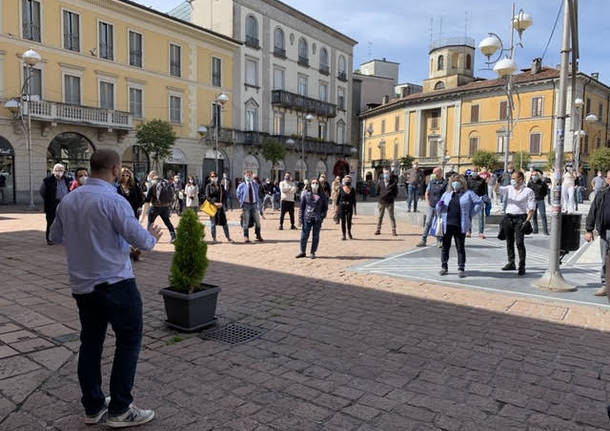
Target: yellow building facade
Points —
{"points": [[106, 67], [448, 122]]}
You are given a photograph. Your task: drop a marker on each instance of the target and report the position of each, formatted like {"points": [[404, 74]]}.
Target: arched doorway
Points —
{"points": [[72, 150], [321, 168], [209, 163], [7, 172], [175, 165], [250, 162], [278, 170], [136, 159], [300, 170]]}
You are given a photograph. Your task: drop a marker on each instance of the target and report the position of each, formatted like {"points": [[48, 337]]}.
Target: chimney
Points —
{"points": [[595, 75], [385, 99], [536, 66]]}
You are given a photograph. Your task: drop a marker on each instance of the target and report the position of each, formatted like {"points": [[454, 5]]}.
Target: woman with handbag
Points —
{"points": [[214, 194], [456, 207], [520, 206], [131, 191], [191, 192]]}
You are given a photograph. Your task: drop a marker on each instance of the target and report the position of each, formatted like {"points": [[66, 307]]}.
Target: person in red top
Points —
{"points": [[81, 178], [485, 174]]}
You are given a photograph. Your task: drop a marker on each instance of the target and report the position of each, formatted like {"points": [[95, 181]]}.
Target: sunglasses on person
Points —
{"points": [[126, 175], [213, 176]]}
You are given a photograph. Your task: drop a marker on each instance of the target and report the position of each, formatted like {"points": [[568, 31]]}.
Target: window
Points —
{"points": [[440, 85], [251, 72], [535, 143], [300, 126], [279, 49], [278, 79], [216, 114], [251, 32], [395, 150], [135, 49], [600, 109], [106, 95], [278, 123], [340, 132], [303, 52], [135, 102], [382, 127], [72, 90], [175, 66], [440, 64], [322, 130], [251, 117], [503, 110], [71, 31], [370, 155], [302, 85], [474, 113], [175, 109], [35, 81], [216, 72], [537, 107], [586, 146], [434, 122], [324, 92], [468, 62], [342, 75], [324, 61], [396, 124], [31, 20], [474, 145], [341, 98], [106, 41], [500, 143], [588, 107]]}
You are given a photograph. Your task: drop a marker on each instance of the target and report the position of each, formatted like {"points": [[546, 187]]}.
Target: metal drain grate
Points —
{"points": [[233, 334]]}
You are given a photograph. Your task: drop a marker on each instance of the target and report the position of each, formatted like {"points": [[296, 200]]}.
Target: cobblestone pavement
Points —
{"points": [[338, 350]]}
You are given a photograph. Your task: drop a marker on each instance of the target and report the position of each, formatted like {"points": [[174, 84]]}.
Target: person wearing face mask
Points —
{"points": [[457, 206], [568, 185], [346, 204], [52, 190], [247, 194], [505, 180], [129, 190], [226, 185], [287, 191], [478, 185], [313, 208], [521, 203], [324, 186], [387, 190], [540, 189], [214, 193], [81, 178], [191, 193], [435, 189]]}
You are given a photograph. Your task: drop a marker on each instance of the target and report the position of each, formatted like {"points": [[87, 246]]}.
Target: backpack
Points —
{"points": [[164, 193]]}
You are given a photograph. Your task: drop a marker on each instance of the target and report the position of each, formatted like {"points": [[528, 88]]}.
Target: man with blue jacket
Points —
{"points": [[247, 195]]}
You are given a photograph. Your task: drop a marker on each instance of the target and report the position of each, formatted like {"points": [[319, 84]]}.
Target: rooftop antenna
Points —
{"points": [[431, 30]]}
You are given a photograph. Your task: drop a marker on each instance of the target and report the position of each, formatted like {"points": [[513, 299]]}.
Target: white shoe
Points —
{"points": [[132, 417], [96, 418]]}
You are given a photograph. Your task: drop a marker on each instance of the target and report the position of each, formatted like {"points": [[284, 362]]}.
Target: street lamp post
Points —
{"points": [[505, 67], [220, 103], [31, 58], [576, 129], [306, 119]]}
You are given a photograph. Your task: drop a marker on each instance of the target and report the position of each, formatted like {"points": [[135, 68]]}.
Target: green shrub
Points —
{"points": [[190, 259]]}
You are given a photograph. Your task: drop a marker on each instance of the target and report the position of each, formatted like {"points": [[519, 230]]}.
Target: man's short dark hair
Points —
{"points": [[520, 175], [80, 169], [104, 160]]}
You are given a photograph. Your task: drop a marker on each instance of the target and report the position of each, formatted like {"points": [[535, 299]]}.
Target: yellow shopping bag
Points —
{"points": [[209, 208]]}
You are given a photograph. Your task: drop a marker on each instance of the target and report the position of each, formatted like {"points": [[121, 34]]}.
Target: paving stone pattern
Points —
{"points": [[339, 350]]}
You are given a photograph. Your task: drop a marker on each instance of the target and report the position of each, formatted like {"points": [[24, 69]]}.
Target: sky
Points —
{"points": [[401, 30]]}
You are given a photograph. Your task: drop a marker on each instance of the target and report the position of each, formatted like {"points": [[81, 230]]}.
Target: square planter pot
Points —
{"points": [[190, 312]]}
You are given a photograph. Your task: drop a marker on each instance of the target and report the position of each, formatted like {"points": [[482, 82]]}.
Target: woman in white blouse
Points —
{"points": [[567, 190], [191, 192]]}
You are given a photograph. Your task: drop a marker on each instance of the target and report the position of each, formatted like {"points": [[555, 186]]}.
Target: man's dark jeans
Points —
{"points": [[540, 210], [162, 212], [308, 226], [120, 305], [413, 195]]}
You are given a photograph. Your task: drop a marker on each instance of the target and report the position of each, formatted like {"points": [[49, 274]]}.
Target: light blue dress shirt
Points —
{"points": [[96, 226]]}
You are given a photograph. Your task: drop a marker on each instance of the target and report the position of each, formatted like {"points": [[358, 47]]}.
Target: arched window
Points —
{"points": [[278, 42], [324, 61], [468, 62], [439, 85], [303, 52], [251, 31], [342, 65], [455, 60], [440, 65], [71, 150]]}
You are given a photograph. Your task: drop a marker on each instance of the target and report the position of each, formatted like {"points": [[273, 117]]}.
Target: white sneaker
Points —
{"points": [[96, 418], [131, 418]]}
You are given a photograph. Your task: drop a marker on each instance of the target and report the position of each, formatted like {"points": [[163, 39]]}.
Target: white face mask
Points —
{"points": [[314, 188], [58, 174], [213, 179], [83, 180]]}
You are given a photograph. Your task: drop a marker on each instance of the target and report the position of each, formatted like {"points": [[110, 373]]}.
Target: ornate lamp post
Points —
{"points": [[220, 103]]}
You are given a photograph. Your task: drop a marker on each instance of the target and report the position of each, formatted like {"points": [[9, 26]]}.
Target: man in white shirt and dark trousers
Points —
{"points": [[287, 191], [97, 226], [520, 206]]}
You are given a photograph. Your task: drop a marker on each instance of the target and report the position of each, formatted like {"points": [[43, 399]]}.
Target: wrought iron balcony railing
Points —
{"points": [[300, 103]]}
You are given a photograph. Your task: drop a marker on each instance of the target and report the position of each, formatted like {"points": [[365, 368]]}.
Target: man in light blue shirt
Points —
{"points": [[247, 194], [97, 226]]}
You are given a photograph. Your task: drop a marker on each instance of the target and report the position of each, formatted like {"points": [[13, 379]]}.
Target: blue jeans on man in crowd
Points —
{"points": [[412, 196], [540, 208], [225, 228], [308, 226], [250, 211], [120, 305], [430, 213]]}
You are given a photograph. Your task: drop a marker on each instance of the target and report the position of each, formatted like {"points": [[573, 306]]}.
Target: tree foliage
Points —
{"points": [[273, 151], [485, 159], [521, 160], [156, 137], [550, 163], [407, 161], [190, 259], [600, 159]]}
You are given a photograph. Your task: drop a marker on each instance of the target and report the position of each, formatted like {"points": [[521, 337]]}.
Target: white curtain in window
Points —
{"points": [[278, 79], [72, 89], [106, 95], [324, 92], [251, 72]]}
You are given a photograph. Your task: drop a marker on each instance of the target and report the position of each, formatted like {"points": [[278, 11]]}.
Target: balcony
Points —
{"points": [[279, 52], [303, 61], [310, 145], [341, 76], [324, 69], [300, 103], [252, 42], [55, 112]]}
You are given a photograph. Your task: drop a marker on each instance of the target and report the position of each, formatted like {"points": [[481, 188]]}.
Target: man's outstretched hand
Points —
{"points": [[155, 231]]}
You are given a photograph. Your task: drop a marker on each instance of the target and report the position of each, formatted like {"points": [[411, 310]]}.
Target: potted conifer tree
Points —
{"points": [[190, 304]]}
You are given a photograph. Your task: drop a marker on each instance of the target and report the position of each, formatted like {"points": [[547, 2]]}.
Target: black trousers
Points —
{"points": [[460, 238], [287, 207], [50, 212], [512, 229], [346, 220]]}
